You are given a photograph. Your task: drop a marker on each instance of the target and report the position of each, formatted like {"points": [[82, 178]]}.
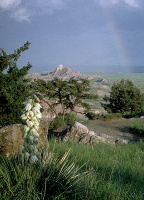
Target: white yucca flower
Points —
{"points": [[36, 140], [24, 134], [35, 151], [28, 106], [26, 154], [35, 119], [36, 135], [33, 131], [31, 147], [36, 110], [30, 123], [33, 159], [31, 113], [39, 115], [31, 116], [23, 116], [31, 139], [37, 99], [26, 128], [37, 105]]}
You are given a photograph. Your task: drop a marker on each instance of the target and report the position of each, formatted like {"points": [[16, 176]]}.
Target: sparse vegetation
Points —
{"points": [[68, 94], [137, 127], [58, 121]]}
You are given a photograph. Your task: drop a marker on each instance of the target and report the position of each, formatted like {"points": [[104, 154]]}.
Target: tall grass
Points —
{"points": [[137, 127], [106, 172], [51, 178], [115, 172]]}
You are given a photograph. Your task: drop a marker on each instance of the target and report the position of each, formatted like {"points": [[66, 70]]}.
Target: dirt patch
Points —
{"points": [[117, 128]]}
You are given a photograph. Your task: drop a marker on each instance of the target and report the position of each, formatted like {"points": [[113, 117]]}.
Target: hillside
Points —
{"points": [[61, 72]]}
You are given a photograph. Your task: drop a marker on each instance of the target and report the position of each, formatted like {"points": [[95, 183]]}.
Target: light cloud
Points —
{"points": [[23, 10], [21, 14], [131, 3], [9, 4], [106, 3]]}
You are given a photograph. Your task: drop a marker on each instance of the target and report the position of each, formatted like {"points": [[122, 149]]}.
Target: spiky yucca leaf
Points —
{"points": [[51, 178]]}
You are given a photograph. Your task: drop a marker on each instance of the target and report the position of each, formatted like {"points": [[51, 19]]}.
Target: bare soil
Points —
{"points": [[117, 128]]}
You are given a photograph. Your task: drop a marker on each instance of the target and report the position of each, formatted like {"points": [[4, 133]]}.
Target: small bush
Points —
{"points": [[70, 118], [92, 116], [111, 115], [137, 127], [58, 121]]}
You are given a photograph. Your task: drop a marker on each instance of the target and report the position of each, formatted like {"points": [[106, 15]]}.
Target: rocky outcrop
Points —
{"points": [[62, 73], [80, 133], [11, 140]]}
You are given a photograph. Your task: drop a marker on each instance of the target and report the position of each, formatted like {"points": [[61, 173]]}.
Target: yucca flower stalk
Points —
{"points": [[31, 117]]}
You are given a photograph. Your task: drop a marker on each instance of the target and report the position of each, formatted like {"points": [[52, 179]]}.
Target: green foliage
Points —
{"points": [[69, 94], [58, 121], [106, 172], [137, 127], [51, 178], [115, 172], [13, 87], [91, 115], [124, 97]]}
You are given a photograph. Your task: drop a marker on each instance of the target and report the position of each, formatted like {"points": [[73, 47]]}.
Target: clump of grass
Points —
{"points": [[93, 116], [59, 121], [115, 172], [111, 115], [51, 178], [137, 127]]}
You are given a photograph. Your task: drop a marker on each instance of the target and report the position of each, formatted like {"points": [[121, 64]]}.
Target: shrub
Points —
{"points": [[92, 116], [58, 121], [124, 97], [137, 127], [70, 118], [14, 89]]}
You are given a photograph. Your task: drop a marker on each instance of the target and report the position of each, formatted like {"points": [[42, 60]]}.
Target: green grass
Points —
{"points": [[136, 78], [76, 171], [51, 178], [115, 172], [137, 127]]}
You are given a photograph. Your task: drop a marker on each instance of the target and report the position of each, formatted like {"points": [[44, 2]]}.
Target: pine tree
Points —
{"points": [[124, 97], [13, 86], [69, 93]]}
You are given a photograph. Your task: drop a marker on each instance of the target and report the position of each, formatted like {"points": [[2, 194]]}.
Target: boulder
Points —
{"points": [[121, 142], [75, 131], [80, 133], [11, 140]]}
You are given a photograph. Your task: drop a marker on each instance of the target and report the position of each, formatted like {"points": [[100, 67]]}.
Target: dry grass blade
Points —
{"points": [[64, 156]]}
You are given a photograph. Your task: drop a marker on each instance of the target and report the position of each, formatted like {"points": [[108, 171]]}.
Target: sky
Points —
{"points": [[84, 35]]}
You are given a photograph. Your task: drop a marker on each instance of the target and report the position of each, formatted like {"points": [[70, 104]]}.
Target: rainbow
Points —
{"points": [[118, 41]]}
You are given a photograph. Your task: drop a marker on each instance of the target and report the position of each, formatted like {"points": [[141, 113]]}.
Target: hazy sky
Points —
{"points": [[85, 35]]}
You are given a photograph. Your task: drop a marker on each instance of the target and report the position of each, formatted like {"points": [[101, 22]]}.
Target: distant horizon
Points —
{"points": [[91, 68]]}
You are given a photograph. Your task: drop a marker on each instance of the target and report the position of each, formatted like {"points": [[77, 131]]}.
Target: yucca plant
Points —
{"points": [[51, 178]]}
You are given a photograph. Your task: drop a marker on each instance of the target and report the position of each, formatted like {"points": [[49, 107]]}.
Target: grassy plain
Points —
{"points": [[136, 78]]}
